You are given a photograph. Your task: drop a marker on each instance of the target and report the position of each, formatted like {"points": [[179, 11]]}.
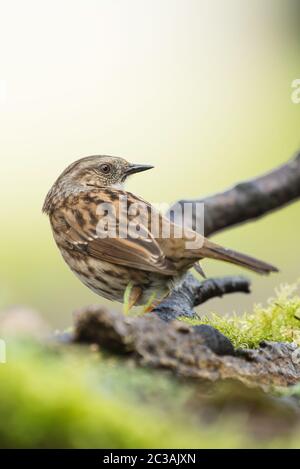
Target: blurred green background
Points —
{"points": [[199, 88]]}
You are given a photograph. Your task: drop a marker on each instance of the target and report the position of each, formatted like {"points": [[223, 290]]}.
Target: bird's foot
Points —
{"points": [[131, 296], [151, 304]]}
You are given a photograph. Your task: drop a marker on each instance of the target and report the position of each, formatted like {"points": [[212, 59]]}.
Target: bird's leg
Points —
{"points": [[150, 304], [153, 303], [131, 295]]}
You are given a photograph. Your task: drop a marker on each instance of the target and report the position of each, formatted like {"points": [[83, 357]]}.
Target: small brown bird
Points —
{"points": [[106, 253]]}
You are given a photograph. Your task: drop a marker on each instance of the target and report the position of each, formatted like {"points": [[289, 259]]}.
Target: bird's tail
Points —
{"points": [[214, 251]]}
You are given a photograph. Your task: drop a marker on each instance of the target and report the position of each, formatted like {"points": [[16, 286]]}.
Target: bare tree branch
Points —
{"points": [[250, 199], [192, 293]]}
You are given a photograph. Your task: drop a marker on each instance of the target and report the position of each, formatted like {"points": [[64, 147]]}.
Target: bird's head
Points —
{"points": [[101, 171], [93, 172]]}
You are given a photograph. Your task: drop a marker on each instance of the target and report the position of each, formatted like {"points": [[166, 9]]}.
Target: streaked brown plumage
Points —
{"points": [[152, 263]]}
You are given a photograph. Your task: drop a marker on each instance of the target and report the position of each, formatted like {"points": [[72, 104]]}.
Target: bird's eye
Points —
{"points": [[105, 168]]}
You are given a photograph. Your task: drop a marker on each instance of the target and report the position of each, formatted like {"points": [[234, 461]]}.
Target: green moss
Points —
{"points": [[278, 321]]}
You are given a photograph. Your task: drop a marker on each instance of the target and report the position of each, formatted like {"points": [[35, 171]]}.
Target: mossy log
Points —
{"points": [[188, 351]]}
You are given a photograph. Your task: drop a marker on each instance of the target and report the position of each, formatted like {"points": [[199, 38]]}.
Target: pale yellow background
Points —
{"points": [[201, 89]]}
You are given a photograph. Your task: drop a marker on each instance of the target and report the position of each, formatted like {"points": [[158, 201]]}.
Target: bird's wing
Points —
{"points": [[80, 222]]}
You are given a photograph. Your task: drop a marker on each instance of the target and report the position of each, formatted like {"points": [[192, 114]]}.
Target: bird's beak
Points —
{"points": [[137, 168]]}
